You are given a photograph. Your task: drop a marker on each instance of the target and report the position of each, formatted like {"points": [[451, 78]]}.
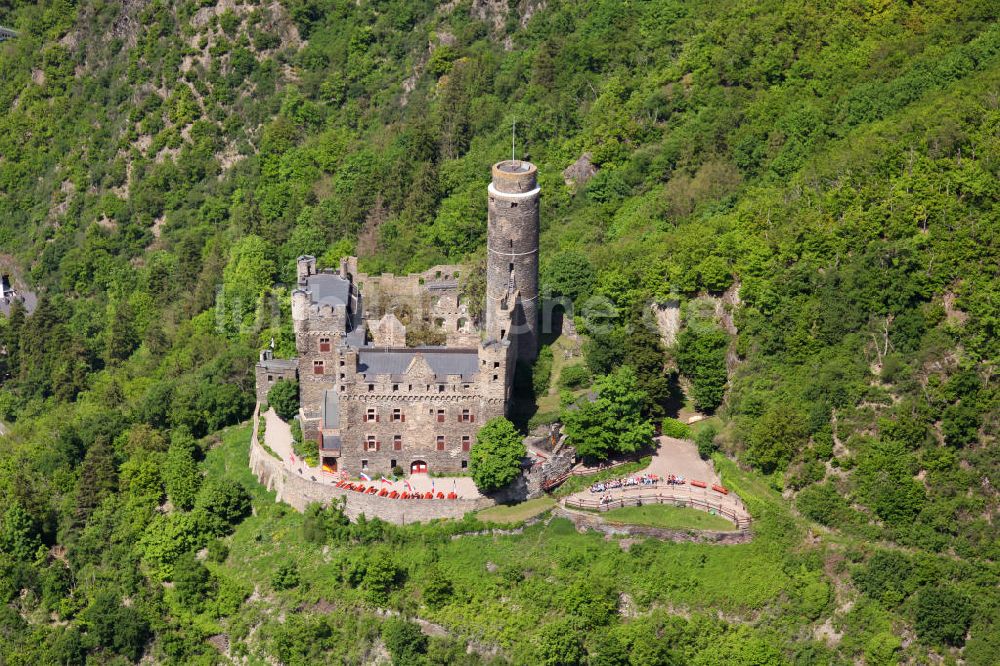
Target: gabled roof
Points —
{"points": [[395, 362]]}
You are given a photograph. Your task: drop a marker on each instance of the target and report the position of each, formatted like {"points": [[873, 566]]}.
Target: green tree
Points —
{"points": [[495, 459], [284, 398], [943, 615], [705, 439], [701, 357], [559, 645], [569, 274], [180, 472], [612, 422], [225, 503], [18, 534], [98, 477], [192, 581], [776, 438], [404, 640], [117, 627]]}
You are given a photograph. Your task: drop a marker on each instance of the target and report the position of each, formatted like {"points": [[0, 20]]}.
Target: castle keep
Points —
{"points": [[372, 402]]}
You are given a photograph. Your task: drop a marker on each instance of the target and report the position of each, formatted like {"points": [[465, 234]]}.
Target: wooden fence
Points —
{"points": [[639, 497]]}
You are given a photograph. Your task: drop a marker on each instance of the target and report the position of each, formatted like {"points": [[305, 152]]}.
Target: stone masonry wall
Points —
{"points": [[299, 493]]}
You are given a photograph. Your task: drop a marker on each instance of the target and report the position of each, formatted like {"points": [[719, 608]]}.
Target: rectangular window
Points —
{"points": [[392, 463], [371, 444], [440, 416], [465, 464], [397, 415], [440, 442], [270, 378], [466, 442], [324, 344], [371, 415], [466, 416], [440, 388], [397, 444], [317, 367], [395, 387], [371, 387], [364, 465]]}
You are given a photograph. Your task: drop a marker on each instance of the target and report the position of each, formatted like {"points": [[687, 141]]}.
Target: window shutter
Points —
{"points": [[402, 418], [472, 418]]}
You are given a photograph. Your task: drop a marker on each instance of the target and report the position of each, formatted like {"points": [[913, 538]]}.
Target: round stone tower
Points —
{"points": [[512, 261]]}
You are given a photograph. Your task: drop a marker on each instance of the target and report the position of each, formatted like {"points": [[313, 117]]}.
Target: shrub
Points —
{"points": [[884, 577], [541, 372], [218, 551], [437, 590], [943, 615], [574, 377], [824, 504], [286, 576], [676, 429], [284, 398], [404, 640], [192, 581], [705, 439]]}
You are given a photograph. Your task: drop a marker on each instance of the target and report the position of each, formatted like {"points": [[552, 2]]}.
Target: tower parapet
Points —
{"points": [[512, 256]]}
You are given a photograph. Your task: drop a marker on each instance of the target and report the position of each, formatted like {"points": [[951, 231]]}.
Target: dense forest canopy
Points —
{"points": [[815, 183]]}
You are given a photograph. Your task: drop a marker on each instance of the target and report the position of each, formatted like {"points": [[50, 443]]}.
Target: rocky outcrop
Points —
{"points": [[579, 172]]}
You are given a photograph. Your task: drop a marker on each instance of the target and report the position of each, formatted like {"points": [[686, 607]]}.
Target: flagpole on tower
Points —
{"points": [[513, 128]]}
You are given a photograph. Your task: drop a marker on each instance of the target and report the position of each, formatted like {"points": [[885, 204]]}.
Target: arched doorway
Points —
{"points": [[418, 467]]}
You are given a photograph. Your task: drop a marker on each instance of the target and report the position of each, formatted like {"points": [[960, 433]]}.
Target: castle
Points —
{"points": [[370, 402]]}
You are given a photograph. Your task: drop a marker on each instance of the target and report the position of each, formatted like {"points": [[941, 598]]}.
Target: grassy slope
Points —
{"points": [[660, 515], [485, 605]]}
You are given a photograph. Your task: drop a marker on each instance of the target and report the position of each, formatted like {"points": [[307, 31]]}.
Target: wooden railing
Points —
{"points": [[638, 498]]}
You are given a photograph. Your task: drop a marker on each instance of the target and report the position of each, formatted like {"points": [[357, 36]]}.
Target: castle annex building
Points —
{"points": [[370, 401]]}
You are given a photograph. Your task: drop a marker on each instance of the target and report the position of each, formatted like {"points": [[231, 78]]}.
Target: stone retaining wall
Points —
{"points": [[299, 493], [585, 522]]}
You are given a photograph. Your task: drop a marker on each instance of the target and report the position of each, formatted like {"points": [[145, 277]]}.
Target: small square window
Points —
{"points": [[397, 415], [270, 378], [395, 387], [465, 464], [371, 387]]}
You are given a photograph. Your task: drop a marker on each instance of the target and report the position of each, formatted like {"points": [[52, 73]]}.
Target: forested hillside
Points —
{"points": [[816, 183]]}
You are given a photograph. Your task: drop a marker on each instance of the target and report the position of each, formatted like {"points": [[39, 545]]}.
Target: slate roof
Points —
{"points": [[331, 442], [331, 409], [442, 361], [279, 364], [329, 288]]}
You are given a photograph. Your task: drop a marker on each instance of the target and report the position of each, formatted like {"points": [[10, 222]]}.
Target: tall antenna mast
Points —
{"points": [[513, 127]]}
